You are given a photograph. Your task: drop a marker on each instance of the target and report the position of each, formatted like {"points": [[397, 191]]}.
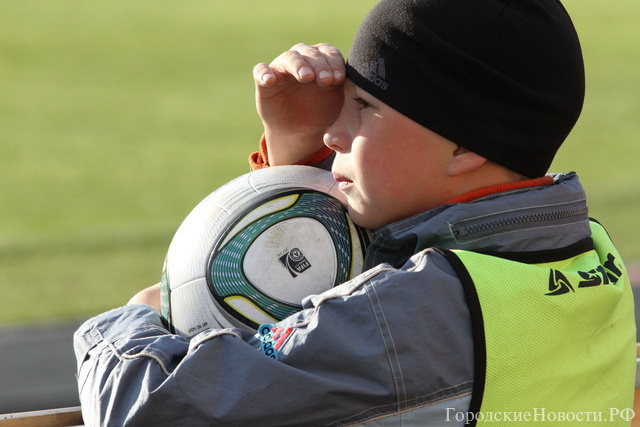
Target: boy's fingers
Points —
{"points": [[295, 64], [321, 63], [318, 62], [263, 75], [335, 60]]}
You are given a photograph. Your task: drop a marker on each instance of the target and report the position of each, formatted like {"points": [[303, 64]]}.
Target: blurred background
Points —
{"points": [[117, 118]]}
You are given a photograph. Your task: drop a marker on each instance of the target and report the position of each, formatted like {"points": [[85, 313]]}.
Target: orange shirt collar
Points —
{"points": [[494, 189]]}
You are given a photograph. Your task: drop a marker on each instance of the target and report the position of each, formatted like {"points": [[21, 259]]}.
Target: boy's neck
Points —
{"points": [[500, 188]]}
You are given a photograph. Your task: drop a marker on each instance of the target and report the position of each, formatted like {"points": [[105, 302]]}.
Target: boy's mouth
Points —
{"points": [[343, 182]]}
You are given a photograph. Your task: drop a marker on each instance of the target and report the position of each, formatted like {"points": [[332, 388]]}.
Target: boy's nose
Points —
{"points": [[337, 137]]}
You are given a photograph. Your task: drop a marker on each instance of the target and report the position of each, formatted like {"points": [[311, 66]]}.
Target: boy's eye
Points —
{"points": [[362, 103]]}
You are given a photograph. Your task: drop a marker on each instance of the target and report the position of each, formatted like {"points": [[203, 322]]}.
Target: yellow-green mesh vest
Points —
{"points": [[554, 335]]}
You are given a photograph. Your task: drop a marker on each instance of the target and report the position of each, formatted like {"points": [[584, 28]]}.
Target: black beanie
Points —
{"points": [[502, 78]]}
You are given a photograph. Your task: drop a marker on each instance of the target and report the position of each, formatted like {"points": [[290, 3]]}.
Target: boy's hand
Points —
{"points": [[149, 296], [298, 96]]}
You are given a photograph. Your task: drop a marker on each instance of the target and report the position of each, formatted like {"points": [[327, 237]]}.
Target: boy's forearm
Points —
{"points": [[111, 350], [321, 158], [291, 149]]}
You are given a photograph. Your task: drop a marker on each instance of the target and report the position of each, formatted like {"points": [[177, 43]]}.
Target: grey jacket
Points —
{"points": [[393, 347]]}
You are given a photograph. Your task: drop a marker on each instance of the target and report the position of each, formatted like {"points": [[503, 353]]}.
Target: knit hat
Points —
{"points": [[502, 78]]}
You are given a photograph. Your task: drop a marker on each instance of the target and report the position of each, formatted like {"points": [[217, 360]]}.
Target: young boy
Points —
{"points": [[489, 295]]}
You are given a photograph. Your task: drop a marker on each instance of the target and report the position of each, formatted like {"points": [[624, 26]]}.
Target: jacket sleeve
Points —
{"points": [[351, 355]]}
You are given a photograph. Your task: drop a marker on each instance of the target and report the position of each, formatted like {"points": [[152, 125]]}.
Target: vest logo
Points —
{"points": [[606, 274], [558, 283], [272, 339], [295, 262], [375, 72]]}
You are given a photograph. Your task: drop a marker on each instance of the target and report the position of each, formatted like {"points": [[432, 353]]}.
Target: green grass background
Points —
{"points": [[118, 117]]}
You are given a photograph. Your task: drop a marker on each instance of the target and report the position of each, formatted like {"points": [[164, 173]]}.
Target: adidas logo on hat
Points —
{"points": [[375, 72]]}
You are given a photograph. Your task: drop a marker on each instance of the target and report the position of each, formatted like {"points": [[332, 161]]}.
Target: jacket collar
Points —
{"points": [[515, 219]]}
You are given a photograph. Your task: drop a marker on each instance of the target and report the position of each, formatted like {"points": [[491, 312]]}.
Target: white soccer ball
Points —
{"points": [[252, 250]]}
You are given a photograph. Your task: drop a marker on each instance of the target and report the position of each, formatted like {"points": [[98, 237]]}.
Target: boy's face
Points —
{"points": [[388, 166]]}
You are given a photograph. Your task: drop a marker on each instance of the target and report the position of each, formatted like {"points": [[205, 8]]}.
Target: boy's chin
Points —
{"points": [[363, 220]]}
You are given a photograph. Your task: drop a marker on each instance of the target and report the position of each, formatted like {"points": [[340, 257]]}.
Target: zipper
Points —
{"points": [[518, 220]]}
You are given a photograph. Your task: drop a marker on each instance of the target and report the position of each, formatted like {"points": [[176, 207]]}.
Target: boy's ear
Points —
{"points": [[464, 161]]}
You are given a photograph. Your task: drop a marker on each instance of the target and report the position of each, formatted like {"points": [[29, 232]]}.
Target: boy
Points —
{"points": [[489, 295]]}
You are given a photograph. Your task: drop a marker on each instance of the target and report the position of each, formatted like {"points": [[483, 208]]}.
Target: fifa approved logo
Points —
{"points": [[295, 262]]}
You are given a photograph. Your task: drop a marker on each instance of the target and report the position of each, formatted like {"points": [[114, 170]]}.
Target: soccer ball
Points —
{"points": [[252, 250]]}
